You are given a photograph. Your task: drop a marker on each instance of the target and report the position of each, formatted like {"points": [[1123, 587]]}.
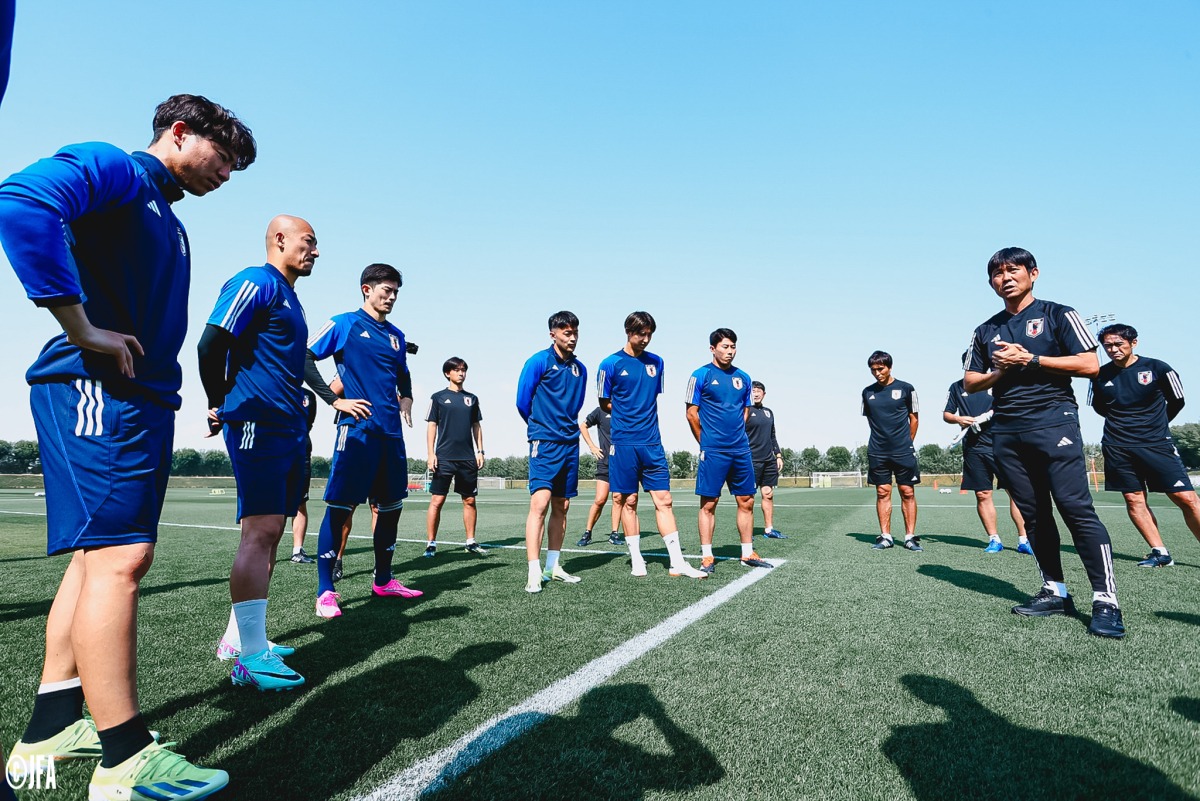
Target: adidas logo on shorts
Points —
{"points": [[1064, 441]]}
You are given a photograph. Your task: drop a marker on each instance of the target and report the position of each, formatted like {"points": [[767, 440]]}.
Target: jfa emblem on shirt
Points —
{"points": [[304, 401], [395, 341], [1034, 327], [767, 412], [897, 394], [651, 370], [467, 401], [1145, 377], [182, 241], [575, 370], [737, 382]]}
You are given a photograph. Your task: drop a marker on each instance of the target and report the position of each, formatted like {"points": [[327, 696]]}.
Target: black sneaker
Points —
{"points": [[585, 540], [616, 538], [913, 544], [337, 569], [1106, 621], [882, 542], [430, 550], [1157, 560], [476, 549], [1044, 604], [301, 558]]}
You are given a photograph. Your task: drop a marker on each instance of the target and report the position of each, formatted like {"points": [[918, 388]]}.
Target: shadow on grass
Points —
{"points": [[582, 756], [1180, 617], [351, 639], [36, 609], [346, 729], [974, 543], [976, 582], [861, 537], [943, 758], [1188, 707]]}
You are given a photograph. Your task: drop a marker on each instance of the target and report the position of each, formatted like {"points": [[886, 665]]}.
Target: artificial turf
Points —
{"points": [[848, 673]]}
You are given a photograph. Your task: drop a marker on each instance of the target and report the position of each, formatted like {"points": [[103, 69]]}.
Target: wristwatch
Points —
{"points": [[1035, 363]]}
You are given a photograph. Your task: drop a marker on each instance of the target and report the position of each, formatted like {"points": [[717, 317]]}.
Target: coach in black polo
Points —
{"points": [[1138, 397], [1027, 355], [454, 438]]}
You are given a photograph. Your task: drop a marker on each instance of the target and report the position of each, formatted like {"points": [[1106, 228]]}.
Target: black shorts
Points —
{"points": [[979, 468], [881, 468], [1134, 469], [306, 479], [766, 472], [465, 474], [602, 469]]}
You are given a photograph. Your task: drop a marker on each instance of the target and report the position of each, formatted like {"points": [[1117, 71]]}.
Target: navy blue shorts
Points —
{"points": [[554, 466], [306, 482], [268, 465], [464, 473], [629, 464], [766, 472], [979, 468], [365, 465], [602, 469], [105, 462], [721, 468], [881, 468], [1134, 469]]}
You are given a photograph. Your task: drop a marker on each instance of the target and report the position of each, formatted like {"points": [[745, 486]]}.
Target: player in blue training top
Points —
{"points": [[718, 401], [1138, 404], [628, 384], [454, 439], [91, 234], [252, 366], [891, 409], [550, 394], [8, 12], [1027, 355], [767, 456], [973, 413], [368, 456]]}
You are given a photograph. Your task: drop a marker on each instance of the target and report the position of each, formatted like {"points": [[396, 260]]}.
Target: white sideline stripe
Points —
{"points": [[443, 767]]}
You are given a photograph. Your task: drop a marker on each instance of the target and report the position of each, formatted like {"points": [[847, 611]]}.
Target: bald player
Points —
{"points": [[252, 365]]}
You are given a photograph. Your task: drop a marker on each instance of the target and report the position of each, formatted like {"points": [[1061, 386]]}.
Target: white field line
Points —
{"points": [[446, 765]]}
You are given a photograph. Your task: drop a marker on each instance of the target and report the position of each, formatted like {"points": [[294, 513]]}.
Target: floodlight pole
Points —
{"points": [[1097, 321]]}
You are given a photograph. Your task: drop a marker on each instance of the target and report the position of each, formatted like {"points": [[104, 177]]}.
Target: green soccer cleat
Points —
{"points": [[77, 741], [153, 774]]}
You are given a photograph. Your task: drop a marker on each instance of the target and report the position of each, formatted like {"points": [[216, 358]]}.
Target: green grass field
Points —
{"points": [[845, 673]]}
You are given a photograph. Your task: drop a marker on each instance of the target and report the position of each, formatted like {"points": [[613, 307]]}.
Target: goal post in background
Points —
{"points": [[832, 480]]}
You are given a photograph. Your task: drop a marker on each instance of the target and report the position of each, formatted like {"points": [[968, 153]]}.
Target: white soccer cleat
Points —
{"points": [[558, 574], [534, 586], [685, 570], [639, 569]]}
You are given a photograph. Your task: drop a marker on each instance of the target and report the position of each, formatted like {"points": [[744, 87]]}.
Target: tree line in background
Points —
{"points": [[22, 457]]}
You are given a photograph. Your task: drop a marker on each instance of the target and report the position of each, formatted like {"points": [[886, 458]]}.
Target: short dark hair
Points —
{"points": [[563, 319], [715, 337], [1125, 332], [210, 121], [758, 385], [1017, 256], [880, 357], [638, 320], [375, 274], [453, 363]]}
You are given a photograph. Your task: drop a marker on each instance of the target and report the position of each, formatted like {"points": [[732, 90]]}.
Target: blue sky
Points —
{"points": [[824, 179]]}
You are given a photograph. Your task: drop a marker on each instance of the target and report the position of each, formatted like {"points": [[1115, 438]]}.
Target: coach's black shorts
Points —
{"points": [[881, 468], [306, 479], [979, 468], [766, 473], [602, 469], [465, 474], [1134, 469]]}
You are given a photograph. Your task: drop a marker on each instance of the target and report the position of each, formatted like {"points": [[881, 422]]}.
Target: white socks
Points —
{"points": [[551, 561], [635, 548], [252, 625]]}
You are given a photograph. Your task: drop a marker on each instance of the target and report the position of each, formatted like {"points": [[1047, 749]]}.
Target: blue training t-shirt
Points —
{"points": [[266, 363], [722, 397], [550, 393], [93, 224], [372, 364], [633, 384]]}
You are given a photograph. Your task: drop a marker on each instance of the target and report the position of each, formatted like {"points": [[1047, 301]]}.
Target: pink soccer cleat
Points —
{"points": [[327, 604], [394, 589]]}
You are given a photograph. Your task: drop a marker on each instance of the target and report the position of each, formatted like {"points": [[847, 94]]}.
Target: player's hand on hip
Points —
{"points": [[214, 423], [121, 347], [357, 408], [596, 452]]}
